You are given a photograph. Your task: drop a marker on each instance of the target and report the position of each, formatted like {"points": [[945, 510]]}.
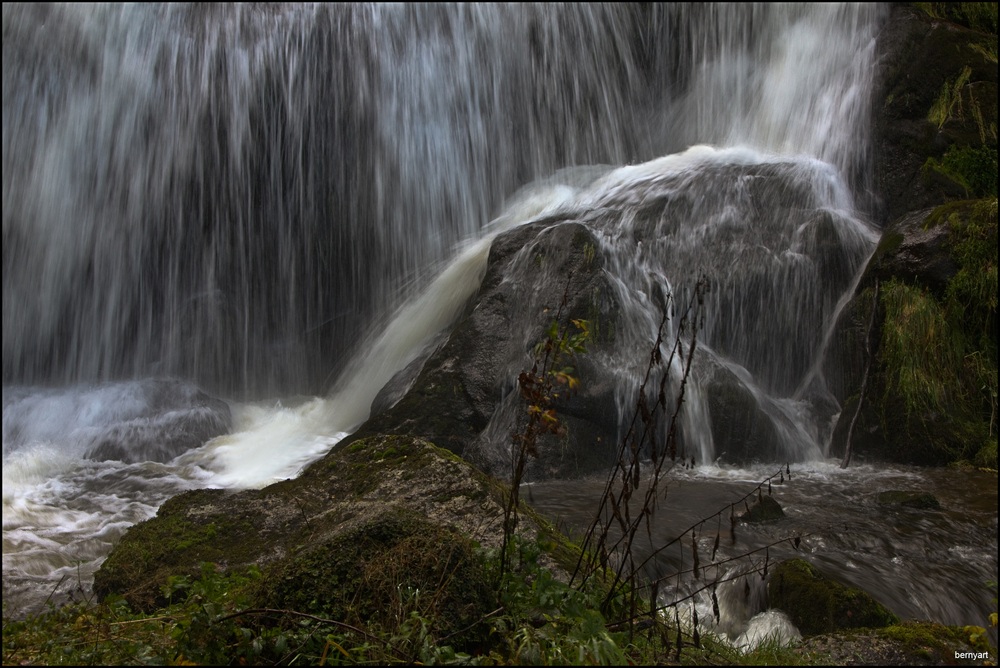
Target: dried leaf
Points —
{"points": [[694, 614], [680, 641], [715, 547], [715, 606]]}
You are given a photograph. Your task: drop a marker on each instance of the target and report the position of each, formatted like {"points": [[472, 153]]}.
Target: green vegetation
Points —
{"points": [[973, 168], [530, 618], [936, 642], [939, 355], [981, 16]]}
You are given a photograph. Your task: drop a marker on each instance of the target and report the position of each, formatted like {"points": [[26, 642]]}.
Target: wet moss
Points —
{"points": [[817, 604], [934, 396]]}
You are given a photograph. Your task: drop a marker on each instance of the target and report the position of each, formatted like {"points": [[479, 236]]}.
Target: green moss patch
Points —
{"points": [[376, 574], [817, 604], [938, 643], [172, 543]]}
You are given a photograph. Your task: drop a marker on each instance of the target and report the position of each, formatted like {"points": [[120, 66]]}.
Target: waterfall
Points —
{"points": [[294, 201], [238, 195]]}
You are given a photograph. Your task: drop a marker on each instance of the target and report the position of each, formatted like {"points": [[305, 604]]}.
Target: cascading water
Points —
{"points": [[294, 200]]}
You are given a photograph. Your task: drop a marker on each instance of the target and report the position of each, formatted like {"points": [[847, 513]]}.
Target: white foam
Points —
{"points": [[767, 626]]}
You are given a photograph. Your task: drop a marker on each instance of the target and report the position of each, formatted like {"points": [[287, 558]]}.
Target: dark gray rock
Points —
{"points": [[463, 382], [765, 510], [917, 56], [176, 417], [741, 430], [919, 500]]}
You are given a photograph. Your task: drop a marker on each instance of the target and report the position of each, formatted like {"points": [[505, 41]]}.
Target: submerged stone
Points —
{"points": [[765, 510], [816, 604], [922, 500]]}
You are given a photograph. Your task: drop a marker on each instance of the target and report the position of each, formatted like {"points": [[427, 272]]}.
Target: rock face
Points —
{"points": [[817, 604], [920, 57], [155, 419], [390, 507], [931, 387], [177, 418], [461, 385]]}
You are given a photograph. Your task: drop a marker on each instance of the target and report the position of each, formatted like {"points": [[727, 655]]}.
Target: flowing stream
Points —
{"points": [[283, 207]]}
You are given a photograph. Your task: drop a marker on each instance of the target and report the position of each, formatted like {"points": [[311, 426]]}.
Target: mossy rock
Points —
{"points": [[765, 510], [910, 643], [376, 574], [919, 500], [816, 604], [351, 487], [939, 644], [176, 542]]}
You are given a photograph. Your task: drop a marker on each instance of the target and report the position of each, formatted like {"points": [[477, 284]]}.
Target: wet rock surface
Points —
{"points": [[764, 510], [461, 385]]}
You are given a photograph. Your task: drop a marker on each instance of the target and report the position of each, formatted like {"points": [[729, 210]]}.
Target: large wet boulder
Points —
{"points": [[469, 381], [817, 604], [741, 431], [390, 506]]}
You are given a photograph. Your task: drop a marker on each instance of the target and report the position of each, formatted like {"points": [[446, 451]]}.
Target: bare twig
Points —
{"points": [[864, 380]]}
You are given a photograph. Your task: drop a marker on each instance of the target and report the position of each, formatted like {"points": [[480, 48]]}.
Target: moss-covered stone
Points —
{"points": [[377, 478], [910, 643], [931, 397], [919, 500], [765, 510], [816, 604], [938, 643], [377, 573]]}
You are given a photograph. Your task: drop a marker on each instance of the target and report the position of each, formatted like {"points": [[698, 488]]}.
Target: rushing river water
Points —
{"points": [[922, 564]]}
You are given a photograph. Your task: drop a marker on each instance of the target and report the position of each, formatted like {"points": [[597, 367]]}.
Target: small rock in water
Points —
{"points": [[923, 501], [765, 510]]}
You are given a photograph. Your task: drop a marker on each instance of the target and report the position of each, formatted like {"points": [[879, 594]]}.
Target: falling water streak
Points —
{"points": [[234, 194]]}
